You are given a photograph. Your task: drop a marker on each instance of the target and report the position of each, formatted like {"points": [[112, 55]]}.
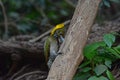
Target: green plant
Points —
{"points": [[25, 17], [98, 60]]}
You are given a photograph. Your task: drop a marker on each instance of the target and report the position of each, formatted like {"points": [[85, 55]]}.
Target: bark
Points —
{"points": [[65, 65]]}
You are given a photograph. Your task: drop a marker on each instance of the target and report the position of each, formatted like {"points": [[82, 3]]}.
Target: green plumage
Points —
{"points": [[50, 46], [46, 49]]}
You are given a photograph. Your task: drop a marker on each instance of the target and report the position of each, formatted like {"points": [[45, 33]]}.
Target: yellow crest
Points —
{"points": [[59, 26]]}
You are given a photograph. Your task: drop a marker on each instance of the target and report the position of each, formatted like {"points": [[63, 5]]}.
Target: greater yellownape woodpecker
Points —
{"points": [[52, 44]]}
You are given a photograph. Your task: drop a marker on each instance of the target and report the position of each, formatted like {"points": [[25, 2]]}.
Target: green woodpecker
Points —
{"points": [[52, 44]]}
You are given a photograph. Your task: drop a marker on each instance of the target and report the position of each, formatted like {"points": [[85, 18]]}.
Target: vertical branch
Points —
{"points": [[66, 64], [5, 19]]}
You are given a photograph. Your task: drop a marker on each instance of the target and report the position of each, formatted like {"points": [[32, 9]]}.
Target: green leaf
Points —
{"points": [[84, 64], [108, 63], [86, 69], [113, 52], [99, 69], [81, 76], [97, 78], [89, 50], [106, 3], [99, 59], [109, 39], [110, 76], [117, 49], [93, 78]]}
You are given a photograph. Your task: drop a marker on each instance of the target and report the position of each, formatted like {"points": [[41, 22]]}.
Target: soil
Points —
{"points": [[98, 30]]}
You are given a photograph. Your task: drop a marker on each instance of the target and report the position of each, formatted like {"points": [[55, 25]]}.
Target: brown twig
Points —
{"points": [[21, 70], [5, 19], [46, 33], [41, 36], [9, 23], [31, 73]]}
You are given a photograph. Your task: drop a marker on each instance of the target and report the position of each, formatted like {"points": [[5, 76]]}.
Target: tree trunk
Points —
{"points": [[65, 65]]}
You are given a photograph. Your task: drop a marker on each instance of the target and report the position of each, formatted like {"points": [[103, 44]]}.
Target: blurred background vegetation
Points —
{"points": [[33, 17]]}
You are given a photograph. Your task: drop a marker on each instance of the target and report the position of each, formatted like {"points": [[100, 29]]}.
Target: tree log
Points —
{"points": [[65, 65], [16, 54], [25, 49]]}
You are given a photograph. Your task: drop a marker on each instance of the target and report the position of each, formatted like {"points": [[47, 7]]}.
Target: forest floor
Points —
{"points": [[98, 30], [32, 72]]}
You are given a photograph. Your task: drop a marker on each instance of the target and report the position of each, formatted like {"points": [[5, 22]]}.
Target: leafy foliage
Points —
{"points": [[33, 16], [36, 16], [98, 60]]}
